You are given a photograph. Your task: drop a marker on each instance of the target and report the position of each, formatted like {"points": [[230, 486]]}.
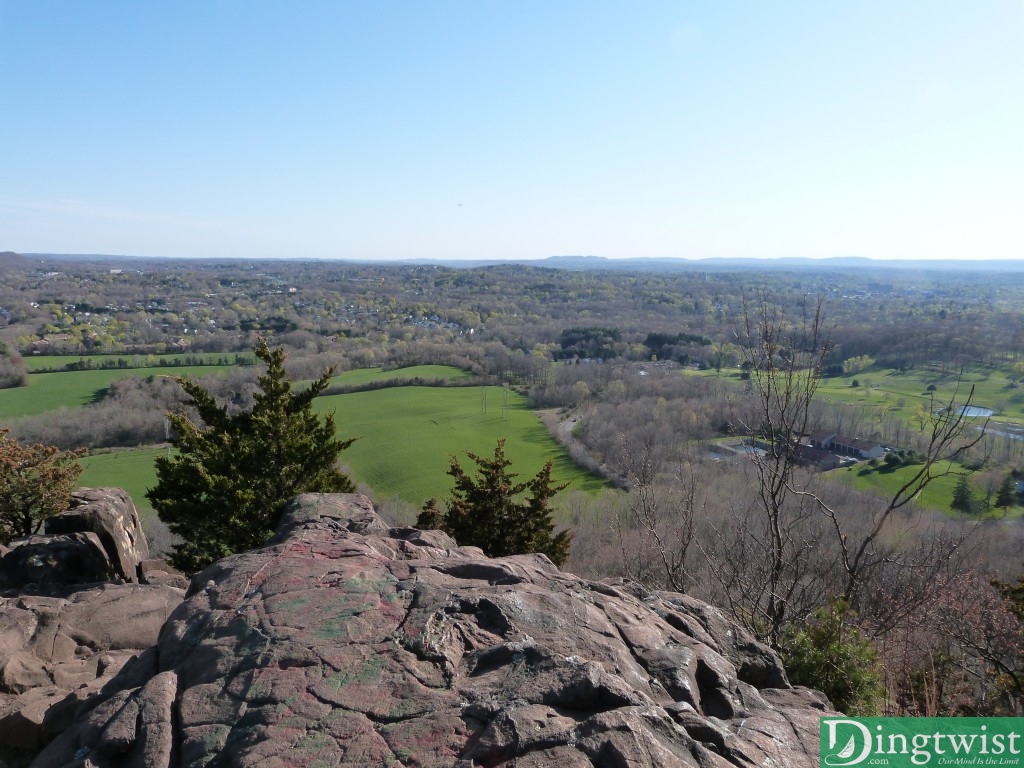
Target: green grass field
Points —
{"points": [[907, 392], [937, 495], [132, 470], [406, 435], [885, 482], [71, 389]]}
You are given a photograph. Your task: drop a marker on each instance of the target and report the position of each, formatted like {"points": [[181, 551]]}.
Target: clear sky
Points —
{"points": [[387, 129]]}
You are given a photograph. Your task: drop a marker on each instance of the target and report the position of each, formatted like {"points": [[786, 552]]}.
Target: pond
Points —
{"points": [[973, 411]]}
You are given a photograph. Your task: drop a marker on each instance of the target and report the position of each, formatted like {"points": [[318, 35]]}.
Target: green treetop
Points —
{"points": [[232, 475], [502, 517]]}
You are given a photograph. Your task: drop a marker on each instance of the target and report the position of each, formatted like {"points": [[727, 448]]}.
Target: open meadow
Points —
{"points": [[72, 389], [912, 393], [406, 433], [131, 469]]}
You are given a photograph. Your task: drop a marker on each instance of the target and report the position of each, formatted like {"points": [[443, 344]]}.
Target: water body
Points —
{"points": [[974, 411]]}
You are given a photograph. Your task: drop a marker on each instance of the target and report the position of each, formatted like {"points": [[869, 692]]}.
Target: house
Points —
{"points": [[847, 446], [821, 459]]}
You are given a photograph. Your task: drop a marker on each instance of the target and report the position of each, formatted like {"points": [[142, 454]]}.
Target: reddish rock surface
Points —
{"points": [[346, 643], [57, 652]]}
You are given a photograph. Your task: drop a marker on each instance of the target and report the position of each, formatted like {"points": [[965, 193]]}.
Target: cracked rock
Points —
{"points": [[343, 642]]}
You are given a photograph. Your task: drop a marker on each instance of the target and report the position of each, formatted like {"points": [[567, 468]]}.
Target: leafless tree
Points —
{"points": [[777, 559], [655, 538], [762, 562], [950, 433]]}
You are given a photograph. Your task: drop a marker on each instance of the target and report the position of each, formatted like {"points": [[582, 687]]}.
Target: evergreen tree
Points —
{"points": [[430, 518], [232, 475], [502, 517], [36, 482], [1006, 496], [963, 496]]}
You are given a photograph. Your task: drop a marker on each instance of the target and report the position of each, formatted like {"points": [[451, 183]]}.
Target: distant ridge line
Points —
{"points": [[583, 262]]}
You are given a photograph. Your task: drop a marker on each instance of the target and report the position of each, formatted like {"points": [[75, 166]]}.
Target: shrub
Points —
{"points": [[830, 654], [490, 511], [35, 484]]}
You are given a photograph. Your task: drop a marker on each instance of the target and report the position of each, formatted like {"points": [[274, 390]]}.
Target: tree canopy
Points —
{"points": [[224, 489], [491, 511], [35, 484]]}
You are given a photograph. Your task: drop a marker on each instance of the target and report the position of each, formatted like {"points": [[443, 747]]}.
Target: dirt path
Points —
{"points": [[562, 429]]}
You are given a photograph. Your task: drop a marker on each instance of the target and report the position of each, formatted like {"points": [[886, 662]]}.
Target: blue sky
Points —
{"points": [[488, 130]]}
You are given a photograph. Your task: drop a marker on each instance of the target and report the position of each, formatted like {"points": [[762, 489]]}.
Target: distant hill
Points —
{"points": [[12, 260], [642, 264], [584, 263]]}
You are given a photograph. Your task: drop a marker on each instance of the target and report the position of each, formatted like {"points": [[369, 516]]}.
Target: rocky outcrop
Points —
{"points": [[345, 642], [68, 619], [110, 514], [57, 652], [98, 539], [50, 564]]}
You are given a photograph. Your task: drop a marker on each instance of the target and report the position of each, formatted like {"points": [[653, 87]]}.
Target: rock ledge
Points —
{"points": [[347, 643]]}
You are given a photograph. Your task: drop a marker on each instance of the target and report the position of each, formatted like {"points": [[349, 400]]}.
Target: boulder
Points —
{"points": [[52, 563], [110, 514], [345, 642]]}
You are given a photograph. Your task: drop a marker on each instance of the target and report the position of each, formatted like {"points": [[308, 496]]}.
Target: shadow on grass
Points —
{"points": [[884, 469]]}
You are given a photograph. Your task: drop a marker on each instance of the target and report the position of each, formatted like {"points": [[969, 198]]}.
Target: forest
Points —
{"points": [[695, 393]]}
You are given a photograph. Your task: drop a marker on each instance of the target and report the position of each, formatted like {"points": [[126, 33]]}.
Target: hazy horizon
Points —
{"points": [[450, 131]]}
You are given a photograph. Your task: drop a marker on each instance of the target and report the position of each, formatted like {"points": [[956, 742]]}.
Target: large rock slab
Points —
{"points": [[344, 642], [99, 539], [110, 514]]}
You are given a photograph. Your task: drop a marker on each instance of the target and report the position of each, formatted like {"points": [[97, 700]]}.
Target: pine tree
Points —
{"points": [[430, 517], [232, 475], [489, 510], [963, 496], [36, 482], [1006, 496]]}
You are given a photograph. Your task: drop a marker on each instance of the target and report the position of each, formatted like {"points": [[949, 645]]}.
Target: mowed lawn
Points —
{"points": [[938, 494], [72, 389], [407, 434], [906, 392]]}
